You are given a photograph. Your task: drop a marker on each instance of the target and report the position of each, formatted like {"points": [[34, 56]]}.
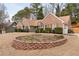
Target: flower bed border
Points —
{"points": [[17, 44]]}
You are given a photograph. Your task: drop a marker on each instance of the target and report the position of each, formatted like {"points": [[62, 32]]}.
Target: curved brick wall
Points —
{"points": [[27, 46]]}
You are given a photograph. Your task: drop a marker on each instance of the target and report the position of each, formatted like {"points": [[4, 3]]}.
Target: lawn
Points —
{"points": [[70, 48]]}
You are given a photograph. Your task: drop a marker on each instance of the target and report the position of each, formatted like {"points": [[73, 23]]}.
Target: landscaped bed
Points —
{"points": [[38, 41]]}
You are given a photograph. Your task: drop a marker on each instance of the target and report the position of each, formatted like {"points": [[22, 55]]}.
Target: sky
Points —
{"points": [[13, 8]]}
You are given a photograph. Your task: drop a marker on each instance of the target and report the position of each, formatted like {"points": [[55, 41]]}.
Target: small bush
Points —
{"points": [[17, 30], [70, 31], [41, 30], [48, 30], [59, 30], [21, 30], [73, 23]]}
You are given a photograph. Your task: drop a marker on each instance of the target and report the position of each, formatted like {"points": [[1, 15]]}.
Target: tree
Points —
{"points": [[76, 13], [37, 10], [3, 16], [40, 14], [53, 7], [3, 13], [70, 9], [22, 13], [59, 8], [58, 11]]}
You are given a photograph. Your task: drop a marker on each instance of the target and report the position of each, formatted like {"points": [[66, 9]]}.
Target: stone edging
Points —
{"points": [[27, 46]]}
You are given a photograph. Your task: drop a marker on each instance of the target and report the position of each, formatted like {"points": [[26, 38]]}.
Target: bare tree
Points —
{"points": [[3, 16], [53, 6]]}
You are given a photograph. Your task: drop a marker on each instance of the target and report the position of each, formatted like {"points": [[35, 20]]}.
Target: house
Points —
{"points": [[2, 28], [11, 27], [49, 21]]}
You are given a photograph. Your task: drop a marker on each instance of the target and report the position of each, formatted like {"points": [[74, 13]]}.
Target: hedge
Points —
{"points": [[57, 30], [21, 30], [41, 30]]}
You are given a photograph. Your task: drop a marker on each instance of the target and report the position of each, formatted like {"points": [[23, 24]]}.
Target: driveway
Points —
{"points": [[70, 48]]}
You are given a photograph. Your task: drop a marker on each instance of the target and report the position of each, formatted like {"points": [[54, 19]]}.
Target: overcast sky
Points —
{"points": [[13, 8]]}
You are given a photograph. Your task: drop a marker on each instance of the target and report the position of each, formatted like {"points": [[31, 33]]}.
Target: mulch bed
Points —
{"points": [[38, 41]]}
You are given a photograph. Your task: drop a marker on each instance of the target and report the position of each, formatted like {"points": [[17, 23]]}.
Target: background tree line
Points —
{"points": [[38, 11]]}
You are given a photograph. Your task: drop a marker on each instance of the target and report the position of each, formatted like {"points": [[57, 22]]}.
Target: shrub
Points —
{"points": [[70, 31], [48, 30], [17, 30], [59, 30], [41, 30], [21, 30], [73, 23]]}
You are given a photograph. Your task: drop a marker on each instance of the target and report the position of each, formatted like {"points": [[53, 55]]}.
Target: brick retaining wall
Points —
{"points": [[27, 46]]}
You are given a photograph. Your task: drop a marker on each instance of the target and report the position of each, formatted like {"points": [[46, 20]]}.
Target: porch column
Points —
{"points": [[52, 26], [29, 27], [44, 27], [3, 30], [65, 28]]}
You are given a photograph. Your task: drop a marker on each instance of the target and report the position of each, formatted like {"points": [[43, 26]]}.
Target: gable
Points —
{"points": [[66, 19], [51, 18], [19, 25]]}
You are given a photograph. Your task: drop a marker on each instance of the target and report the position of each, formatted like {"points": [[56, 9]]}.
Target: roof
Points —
{"points": [[65, 18], [45, 20], [12, 24], [19, 25], [49, 19], [50, 15], [30, 22]]}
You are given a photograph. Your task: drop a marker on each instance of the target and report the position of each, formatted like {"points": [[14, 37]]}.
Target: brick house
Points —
{"points": [[49, 21]]}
